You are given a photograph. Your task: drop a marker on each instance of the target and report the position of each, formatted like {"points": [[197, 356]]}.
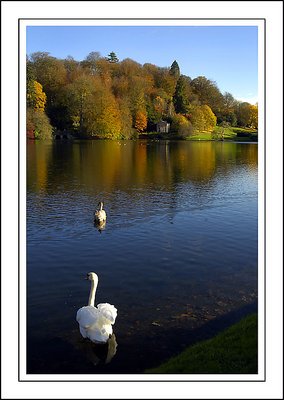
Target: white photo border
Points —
{"points": [[272, 151], [260, 376]]}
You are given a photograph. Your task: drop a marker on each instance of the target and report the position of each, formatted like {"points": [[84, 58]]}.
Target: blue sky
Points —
{"points": [[224, 54]]}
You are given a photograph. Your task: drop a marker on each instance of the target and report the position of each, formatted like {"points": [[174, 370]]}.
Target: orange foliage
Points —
{"points": [[140, 121]]}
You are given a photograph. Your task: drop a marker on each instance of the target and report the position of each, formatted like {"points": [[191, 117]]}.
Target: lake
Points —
{"points": [[177, 257]]}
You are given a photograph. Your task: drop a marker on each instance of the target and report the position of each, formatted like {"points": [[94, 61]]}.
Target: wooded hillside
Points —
{"points": [[107, 98]]}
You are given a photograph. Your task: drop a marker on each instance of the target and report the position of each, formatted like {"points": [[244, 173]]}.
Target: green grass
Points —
{"points": [[200, 136], [233, 351], [231, 133]]}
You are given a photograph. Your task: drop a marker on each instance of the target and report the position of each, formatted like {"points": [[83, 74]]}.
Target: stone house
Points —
{"points": [[163, 127]]}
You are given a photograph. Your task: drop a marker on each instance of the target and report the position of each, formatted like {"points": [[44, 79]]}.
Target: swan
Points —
{"points": [[100, 214], [95, 323]]}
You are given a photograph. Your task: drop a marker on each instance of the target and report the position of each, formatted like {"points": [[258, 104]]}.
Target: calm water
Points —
{"points": [[178, 255]]}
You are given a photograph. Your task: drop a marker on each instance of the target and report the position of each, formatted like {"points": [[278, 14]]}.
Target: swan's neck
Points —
{"points": [[101, 206], [92, 294]]}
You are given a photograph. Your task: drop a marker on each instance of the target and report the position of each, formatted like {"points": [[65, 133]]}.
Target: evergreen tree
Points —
{"points": [[180, 98], [112, 58], [174, 70]]}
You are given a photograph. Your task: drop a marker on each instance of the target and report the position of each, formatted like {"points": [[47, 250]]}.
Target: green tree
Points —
{"points": [[112, 57], [244, 114], [174, 70], [181, 96], [231, 118]]}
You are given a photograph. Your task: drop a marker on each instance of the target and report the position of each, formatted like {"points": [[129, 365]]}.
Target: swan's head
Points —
{"points": [[91, 276]]}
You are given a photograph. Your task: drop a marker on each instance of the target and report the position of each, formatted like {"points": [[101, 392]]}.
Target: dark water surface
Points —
{"points": [[178, 255]]}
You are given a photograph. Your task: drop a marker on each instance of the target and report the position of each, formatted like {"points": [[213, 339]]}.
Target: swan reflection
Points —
{"points": [[100, 225], [101, 353]]}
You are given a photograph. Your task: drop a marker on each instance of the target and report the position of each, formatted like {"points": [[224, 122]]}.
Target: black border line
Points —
{"points": [[264, 187], [142, 19], [264, 251]]}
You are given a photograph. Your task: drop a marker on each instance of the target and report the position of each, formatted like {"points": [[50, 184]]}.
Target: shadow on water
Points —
{"points": [[74, 355]]}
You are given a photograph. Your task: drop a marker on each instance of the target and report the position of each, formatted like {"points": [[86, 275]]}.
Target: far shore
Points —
{"points": [[230, 134]]}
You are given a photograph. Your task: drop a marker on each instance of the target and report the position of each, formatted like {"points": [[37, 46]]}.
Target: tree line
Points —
{"points": [[107, 98]]}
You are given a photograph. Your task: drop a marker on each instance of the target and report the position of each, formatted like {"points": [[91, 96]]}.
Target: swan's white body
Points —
{"points": [[100, 214], [96, 322]]}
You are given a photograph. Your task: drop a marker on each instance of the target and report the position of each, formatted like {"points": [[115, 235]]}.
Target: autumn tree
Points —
{"points": [[36, 98], [165, 81], [38, 125], [93, 57], [52, 75], [50, 72], [107, 121], [104, 97], [181, 126], [78, 96], [244, 114], [92, 108], [208, 93], [202, 118], [159, 107], [227, 113], [210, 118], [126, 119], [140, 121], [254, 116], [130, 68], [73, 69]]}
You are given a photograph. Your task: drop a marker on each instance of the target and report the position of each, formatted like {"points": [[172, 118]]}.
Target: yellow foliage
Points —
{"points": [[254, 116], [140, 121], [202, 118], [36, 97]]}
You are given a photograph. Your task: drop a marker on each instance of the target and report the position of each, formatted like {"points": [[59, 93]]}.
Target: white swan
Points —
{"points": [[96, 322], [100, 214]]}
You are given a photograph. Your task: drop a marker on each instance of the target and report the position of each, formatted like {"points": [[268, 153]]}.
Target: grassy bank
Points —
{"points": [[233, 351], [231, 133]]}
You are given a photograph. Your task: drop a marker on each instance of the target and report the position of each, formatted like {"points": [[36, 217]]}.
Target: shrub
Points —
{"points": [[181, 126], [38, 123]]}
